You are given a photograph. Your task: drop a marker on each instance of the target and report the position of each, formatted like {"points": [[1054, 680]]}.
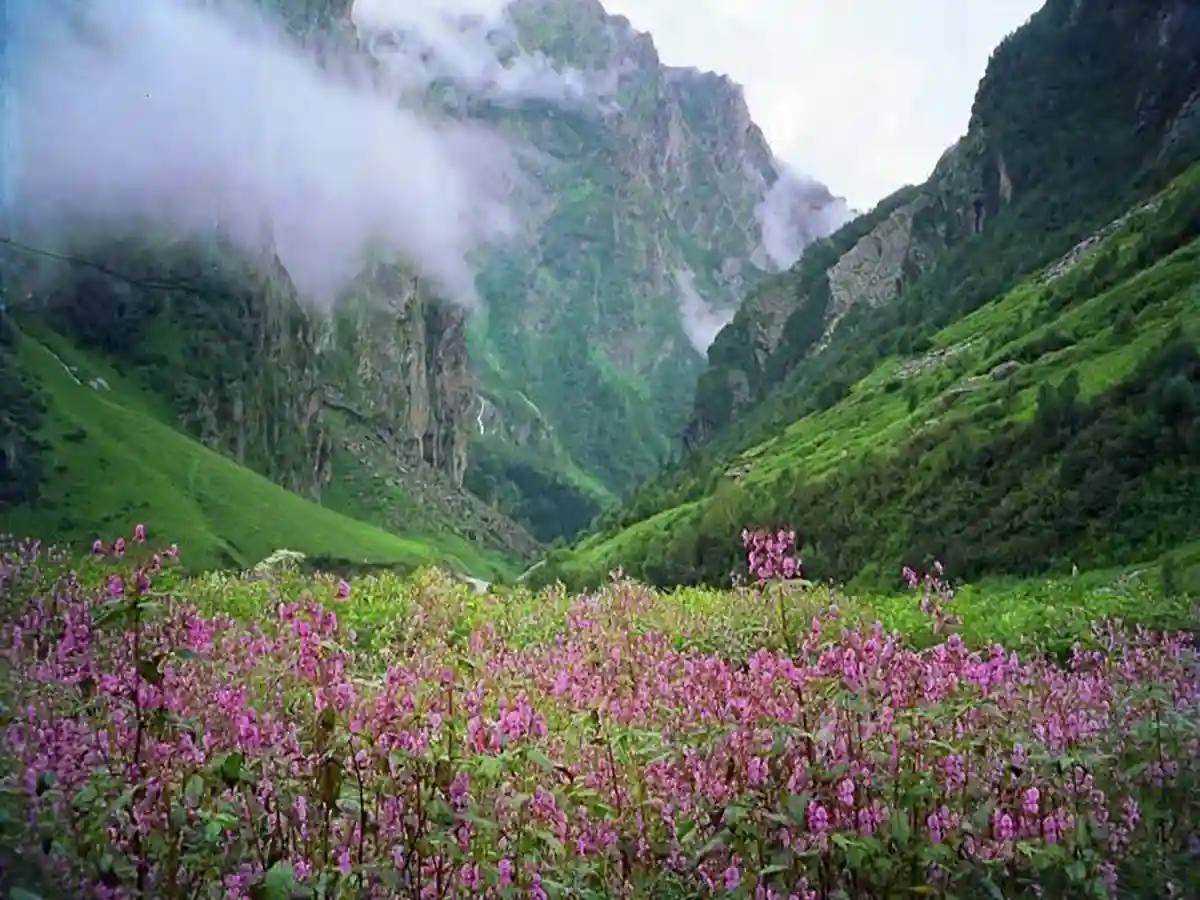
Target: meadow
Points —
{"points": [[115, 455], [273, 735]]}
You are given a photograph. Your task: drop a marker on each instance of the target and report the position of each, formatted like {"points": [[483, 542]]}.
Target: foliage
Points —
{"points": [[20, 418], [585, 323], [1010, 198], [252, 736], [111, 454], [527, 489], [1056, 425]]}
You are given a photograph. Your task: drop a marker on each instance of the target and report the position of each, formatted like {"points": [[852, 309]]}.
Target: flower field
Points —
{"points": [[273, 736]]}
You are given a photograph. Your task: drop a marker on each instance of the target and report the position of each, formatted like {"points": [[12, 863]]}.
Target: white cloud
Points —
{"points": [[473, 44], [701, 321], [174, 114], [796, 211], [174, 117]]}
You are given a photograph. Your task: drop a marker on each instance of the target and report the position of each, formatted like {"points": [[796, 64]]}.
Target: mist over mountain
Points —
{"points": [[189, 119], [197, 117], [599, 214]]}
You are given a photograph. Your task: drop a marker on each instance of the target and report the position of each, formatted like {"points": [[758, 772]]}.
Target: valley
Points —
{"points": [[446, 452]]}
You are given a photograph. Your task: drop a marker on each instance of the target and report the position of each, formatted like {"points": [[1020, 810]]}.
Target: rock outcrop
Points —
{"points": [[1002, 161], [397, 356]]}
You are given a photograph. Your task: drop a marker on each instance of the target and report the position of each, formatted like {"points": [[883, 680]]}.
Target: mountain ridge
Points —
{"points": [[388, 403], [1004, 202]]}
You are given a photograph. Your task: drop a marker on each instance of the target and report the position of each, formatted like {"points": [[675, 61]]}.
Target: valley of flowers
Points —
{"points": [[274, 736]]}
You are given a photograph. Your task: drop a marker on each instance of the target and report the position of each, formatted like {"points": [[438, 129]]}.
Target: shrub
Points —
{"points": [[152, 750]]}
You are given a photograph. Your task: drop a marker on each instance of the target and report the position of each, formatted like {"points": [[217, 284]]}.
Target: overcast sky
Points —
{"points": [[862, 94]]}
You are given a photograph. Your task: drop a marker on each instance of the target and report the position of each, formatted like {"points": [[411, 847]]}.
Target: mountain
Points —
{"points": [[997, 367], [521, 353], [663, 205], [203, 399]]}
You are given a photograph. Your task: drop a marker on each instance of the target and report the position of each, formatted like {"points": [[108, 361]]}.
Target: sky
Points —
{"points": [[864, 95]]}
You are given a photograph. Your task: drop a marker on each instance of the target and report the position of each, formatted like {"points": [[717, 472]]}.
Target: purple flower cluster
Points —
{"points": [[156, 752], [768, 555]]}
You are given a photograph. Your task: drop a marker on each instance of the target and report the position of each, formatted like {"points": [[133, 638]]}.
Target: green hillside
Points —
{"points": [[110, 459], [1054, 426], [997, 367]]}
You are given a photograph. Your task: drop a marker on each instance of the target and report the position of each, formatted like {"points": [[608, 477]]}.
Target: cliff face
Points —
{"points": [[597, 328], [398, 357], [1130, 123], [249, 369]]}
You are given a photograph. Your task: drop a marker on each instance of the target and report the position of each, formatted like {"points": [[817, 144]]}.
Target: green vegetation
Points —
{"points": [[110, 457], [1008, 423], [585, 324], [279, 736], [1055, 426]]}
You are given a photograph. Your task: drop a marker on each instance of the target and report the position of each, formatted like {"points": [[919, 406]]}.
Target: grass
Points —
{"points": [[112, 459], [901, 398], [1041, 616]]}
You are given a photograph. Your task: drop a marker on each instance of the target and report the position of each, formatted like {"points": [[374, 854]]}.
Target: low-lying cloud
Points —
{"points": [[701, 321], [472, 44], [178, 118], [188, 118], [795, 211]]}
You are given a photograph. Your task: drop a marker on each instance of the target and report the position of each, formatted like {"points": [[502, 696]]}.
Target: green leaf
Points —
{"points": [[538, 757], [489, 767], [84, 798], [797, 805], [718, 841], [231, 769], [553, 843], [150, 671], [19, 893], [279, 881], [45, 781], [735, 813], [194, 789]]}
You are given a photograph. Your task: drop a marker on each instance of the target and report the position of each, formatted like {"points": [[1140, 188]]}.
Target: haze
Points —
{"points": [[181, 118]]}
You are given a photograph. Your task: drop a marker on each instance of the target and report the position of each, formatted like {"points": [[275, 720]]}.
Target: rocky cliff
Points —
{"points": [[1129, 124], [249, 368], [397, 356], [867, 395], [655, 222]]}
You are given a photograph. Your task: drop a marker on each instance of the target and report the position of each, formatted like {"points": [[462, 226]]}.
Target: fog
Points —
{"points": [[178, 118], [189, 118], [701, 321], [473, 44], [795, 211]]}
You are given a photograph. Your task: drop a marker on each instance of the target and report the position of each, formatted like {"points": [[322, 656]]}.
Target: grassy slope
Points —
{"points": [[875, 416], [113, 459]]}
